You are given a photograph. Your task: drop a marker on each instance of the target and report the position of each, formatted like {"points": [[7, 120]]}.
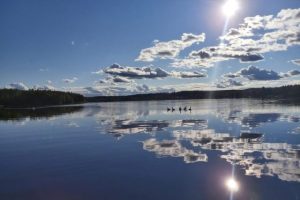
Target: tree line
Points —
{"points": [[279, 93], [37, 98], [13, 98]]}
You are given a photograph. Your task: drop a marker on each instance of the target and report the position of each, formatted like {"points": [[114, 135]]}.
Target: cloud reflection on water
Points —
{"points": [[211, 126], [173, 148], [257, 157]]}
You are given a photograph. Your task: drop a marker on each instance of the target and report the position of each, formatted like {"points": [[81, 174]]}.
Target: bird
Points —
{"points": [[173, 109], [179, 109], [185, 109], [190, 109], [168, 109]]}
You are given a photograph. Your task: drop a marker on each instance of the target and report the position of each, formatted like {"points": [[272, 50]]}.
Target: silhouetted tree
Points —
{"points": [[37, 98]]}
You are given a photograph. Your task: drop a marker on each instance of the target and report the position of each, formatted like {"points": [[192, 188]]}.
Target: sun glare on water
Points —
{"points": [[230, 8]]}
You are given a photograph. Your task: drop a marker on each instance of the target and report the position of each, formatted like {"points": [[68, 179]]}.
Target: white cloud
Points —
{"points": [[18, 86], [143, 88], [135, 72], [227, 83], [70, 80], [292, 73], [22, 86], [254, 37], [90, 91], [170, 49], [296, 62], [268, 83], [148, 72], [244, 57], [119, 79], [45, 87], [101, 82], [120, 89], [188, 74], [191, 87], [255, 74]]}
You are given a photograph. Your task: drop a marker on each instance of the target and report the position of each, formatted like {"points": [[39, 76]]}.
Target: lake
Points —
{"points": [[139, 150]]}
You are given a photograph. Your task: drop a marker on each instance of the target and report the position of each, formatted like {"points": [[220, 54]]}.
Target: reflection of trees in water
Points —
{"points": [[36, 114]]}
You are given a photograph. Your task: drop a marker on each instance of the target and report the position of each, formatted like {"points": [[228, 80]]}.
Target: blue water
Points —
{"points": [[139, 150]]}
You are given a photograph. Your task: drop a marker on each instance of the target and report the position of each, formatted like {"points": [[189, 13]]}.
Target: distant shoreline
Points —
{"points": [[285, 93], [17, 99]]}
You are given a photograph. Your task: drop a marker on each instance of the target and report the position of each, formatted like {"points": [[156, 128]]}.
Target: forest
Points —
{"points": [[279, 93], [13, 98]]}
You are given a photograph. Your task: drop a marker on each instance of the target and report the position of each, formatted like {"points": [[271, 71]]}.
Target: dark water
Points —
{"points": [[138, 150]]}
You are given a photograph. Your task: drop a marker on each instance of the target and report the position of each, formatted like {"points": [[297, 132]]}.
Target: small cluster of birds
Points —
{"points": [[180, 109]]}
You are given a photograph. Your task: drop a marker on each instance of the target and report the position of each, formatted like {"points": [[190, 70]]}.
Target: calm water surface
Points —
{"points": [[138, 150]]}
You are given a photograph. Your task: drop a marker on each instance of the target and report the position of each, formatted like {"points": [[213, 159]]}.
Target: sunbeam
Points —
{"points": [[229, 9]]}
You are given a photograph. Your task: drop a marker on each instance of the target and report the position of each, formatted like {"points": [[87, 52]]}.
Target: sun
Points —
{"points": [[230, 8], [232, 185]]}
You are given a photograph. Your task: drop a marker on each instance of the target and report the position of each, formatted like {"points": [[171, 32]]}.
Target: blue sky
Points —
{"points": [[70, 45]]}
